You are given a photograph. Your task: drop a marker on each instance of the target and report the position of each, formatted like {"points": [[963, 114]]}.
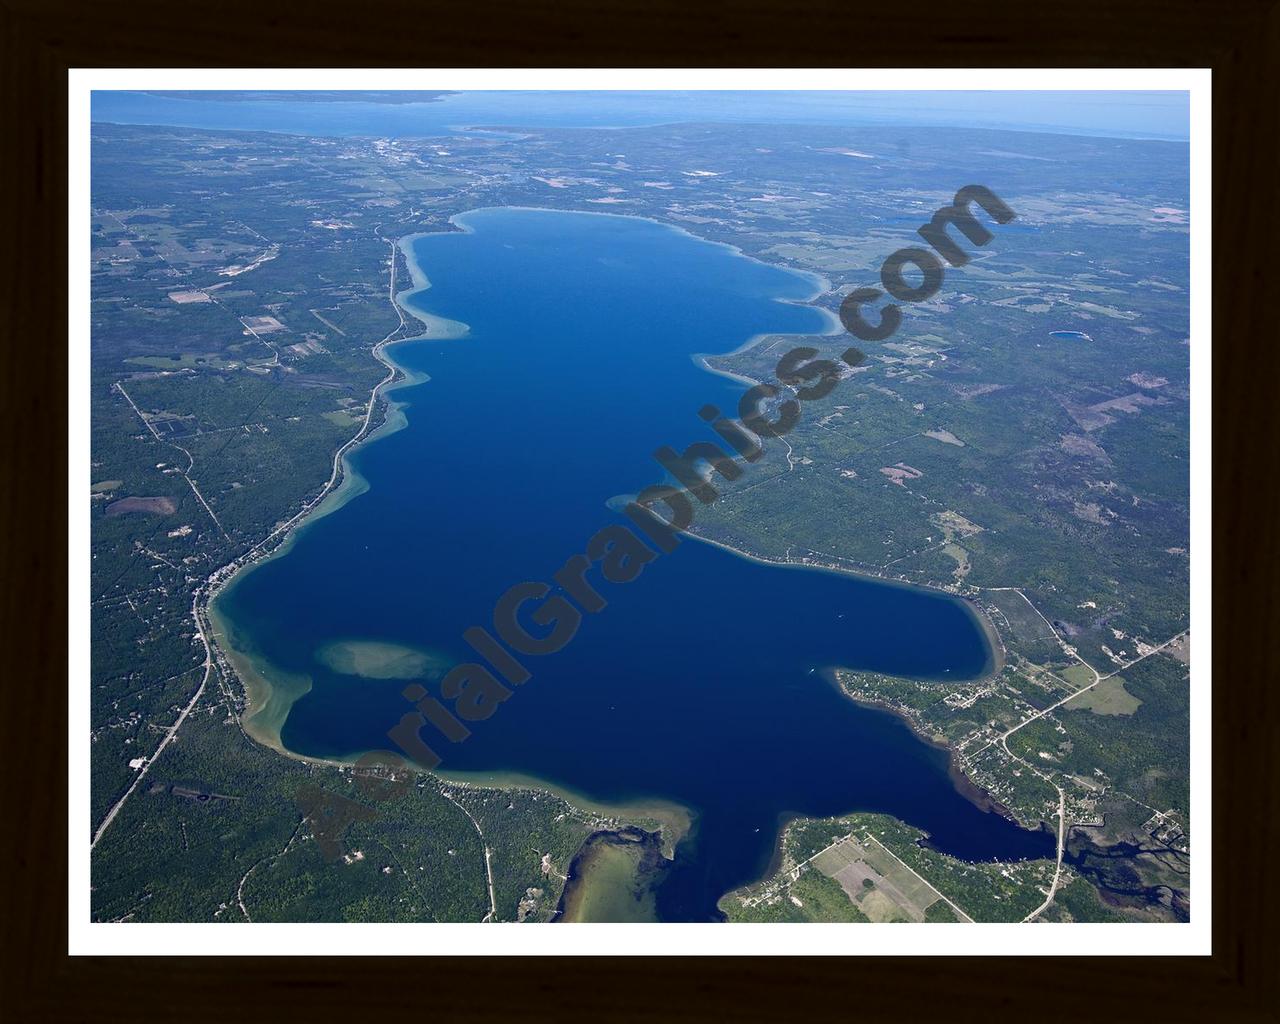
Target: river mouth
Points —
{"points": [[700, 684]]}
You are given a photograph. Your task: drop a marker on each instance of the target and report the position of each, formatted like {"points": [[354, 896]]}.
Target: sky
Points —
{"points": [[1149, 115]]}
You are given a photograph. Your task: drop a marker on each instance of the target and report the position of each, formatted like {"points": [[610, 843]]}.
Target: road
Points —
{"points": [[1097, 678], [170, 732], [488, 866], [1057, 870], [1062, 796], [963, 916], [210, 586], [186, 473], [1003, 739]]}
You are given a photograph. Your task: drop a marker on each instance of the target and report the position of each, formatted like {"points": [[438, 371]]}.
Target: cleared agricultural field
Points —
{"points": [[882, 888]]}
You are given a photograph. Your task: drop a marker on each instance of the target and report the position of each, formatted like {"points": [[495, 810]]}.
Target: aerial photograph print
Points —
{"points": [[649, 506]]}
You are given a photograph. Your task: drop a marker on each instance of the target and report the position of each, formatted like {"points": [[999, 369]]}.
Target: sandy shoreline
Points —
{"points": [[268, 700], [675, 819], [261, 720]]}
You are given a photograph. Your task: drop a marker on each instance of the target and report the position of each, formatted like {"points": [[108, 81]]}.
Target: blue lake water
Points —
{"points": [[701, 682]]}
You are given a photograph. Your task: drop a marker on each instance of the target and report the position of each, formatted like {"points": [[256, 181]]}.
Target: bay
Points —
{"points": [[704, 684]]}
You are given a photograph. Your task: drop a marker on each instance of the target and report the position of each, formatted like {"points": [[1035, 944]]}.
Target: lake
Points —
{"points": [[702, 683]]}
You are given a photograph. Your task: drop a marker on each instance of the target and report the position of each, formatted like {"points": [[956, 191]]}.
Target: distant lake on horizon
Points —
{"points": [[702, 683]]}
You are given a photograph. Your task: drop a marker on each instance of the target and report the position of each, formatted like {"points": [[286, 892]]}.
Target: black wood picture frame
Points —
{"points": [[1238, 39]]}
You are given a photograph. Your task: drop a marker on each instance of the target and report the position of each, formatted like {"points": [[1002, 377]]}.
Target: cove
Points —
{"points": [[704, 682]]}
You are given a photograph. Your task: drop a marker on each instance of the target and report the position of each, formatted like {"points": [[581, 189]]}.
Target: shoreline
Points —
{"points": [[581, 883], [346, 483], [995, 645], [965, 786], [675, 820]]}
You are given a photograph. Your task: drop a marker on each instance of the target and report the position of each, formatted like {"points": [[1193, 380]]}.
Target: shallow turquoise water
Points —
{"points": [[701, 681]]}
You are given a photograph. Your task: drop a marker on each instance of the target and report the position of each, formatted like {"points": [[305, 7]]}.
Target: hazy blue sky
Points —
{"points": [[1156, 115]]}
